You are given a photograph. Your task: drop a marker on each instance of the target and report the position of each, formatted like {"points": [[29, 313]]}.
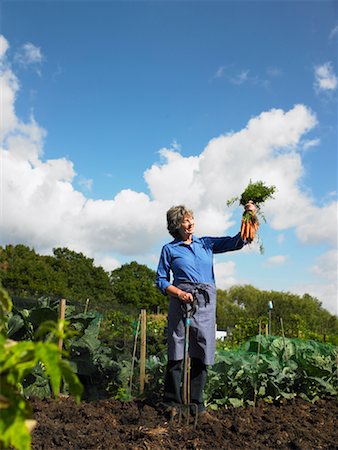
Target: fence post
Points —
{"points": [[143, 349]]}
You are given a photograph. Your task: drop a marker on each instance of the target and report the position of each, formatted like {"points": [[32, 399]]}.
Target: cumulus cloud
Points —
{"points": [[326, 265], [325, 78], [3, 46], [42, 208], [225, 274], [325, 281], [108, 263]]}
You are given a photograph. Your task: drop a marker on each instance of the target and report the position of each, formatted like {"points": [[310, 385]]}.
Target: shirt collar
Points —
{"points": [[177, 242]]}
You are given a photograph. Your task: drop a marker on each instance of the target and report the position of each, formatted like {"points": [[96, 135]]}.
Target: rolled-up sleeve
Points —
{"points": [[163, 271]]}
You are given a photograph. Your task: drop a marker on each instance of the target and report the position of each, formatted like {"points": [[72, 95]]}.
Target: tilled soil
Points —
{"points": [[111, 424]]}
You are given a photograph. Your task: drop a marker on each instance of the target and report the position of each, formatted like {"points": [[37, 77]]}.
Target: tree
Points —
{"points": [[25, 273], [302, 316], [65, 274], [133, 284], [82, 279]]}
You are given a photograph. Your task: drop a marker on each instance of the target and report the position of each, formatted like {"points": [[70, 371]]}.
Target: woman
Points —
{"points": [[189, 260]]}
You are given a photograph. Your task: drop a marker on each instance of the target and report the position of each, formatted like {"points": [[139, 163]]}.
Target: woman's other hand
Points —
{"points": [[186, 297]]}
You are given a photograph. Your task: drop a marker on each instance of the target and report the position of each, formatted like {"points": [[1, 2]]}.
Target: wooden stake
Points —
{"points": [[134, 353], [143, 349], [285, 349], [62, 317], [258, 351], [86, 306]]}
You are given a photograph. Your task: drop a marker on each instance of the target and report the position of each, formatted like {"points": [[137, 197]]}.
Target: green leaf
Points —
{"points": [[236, 402], [73, 383], [13, 430], [49, 355]]}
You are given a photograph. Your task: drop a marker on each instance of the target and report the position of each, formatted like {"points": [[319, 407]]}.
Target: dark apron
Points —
{"points": [[202, 342]]}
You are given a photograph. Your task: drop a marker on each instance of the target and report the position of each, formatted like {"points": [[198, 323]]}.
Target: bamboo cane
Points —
{"points": [[134, 353], [86, 306], [284, 343], [258, 351], [143, 349]]}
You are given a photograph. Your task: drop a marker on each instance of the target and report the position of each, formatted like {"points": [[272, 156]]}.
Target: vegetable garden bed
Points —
{"points": [[111, 424]]}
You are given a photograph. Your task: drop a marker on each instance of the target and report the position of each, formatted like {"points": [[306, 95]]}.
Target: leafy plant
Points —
{"points": [[272, 369], [17, 360]]}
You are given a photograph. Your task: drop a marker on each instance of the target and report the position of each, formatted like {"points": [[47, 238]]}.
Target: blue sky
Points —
{"points": [[115, 111]]}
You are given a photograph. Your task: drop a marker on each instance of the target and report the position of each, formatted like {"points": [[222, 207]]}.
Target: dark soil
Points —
{"points": [[110, 424]]}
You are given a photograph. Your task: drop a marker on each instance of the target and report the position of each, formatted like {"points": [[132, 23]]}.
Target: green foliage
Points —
{"points": [[17, 361], [156, 334], [272, 369], [118, 328], [5, 309], [83, 280], [66, 274], [257, 192], [134, 287], [242, 308], [92, 358]]}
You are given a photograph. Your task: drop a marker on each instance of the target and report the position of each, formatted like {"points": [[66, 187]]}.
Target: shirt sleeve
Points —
{"points": [[163, 271], [227, 244]]}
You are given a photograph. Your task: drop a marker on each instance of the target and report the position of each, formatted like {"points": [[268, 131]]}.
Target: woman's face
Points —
{"points": [[187, 226]]}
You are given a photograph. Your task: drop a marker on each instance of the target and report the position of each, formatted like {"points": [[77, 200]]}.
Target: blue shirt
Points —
{"points": [[192, 262]]}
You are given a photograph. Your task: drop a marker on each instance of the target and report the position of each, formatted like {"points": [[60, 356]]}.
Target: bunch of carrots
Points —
{"points": [[250, 223], [252, 198]]}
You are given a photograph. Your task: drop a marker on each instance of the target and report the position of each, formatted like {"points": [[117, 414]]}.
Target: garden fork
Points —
{"points": [[189, 310]]}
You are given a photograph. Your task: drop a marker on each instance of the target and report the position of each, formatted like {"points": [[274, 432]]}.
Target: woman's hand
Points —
{"points": [[186, 297], [250, 222], [250, 206]]}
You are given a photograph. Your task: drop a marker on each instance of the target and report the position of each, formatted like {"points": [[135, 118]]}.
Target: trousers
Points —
{"points": [[173, 383]]}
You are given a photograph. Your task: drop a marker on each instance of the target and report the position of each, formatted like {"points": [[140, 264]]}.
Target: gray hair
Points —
{"points": [[175, 216]]}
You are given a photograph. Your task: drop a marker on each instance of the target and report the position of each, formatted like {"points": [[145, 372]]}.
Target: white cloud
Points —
{"points": [[326, 265], [3, 46], [86, 183], [325, 281], [276, 260], [316, 225], [325, 78], [172, 181], [225, 274], [334, 32], [107, 262], [308, 143], [280, 238], [29, 54], [219, 72], [241, 77]]}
